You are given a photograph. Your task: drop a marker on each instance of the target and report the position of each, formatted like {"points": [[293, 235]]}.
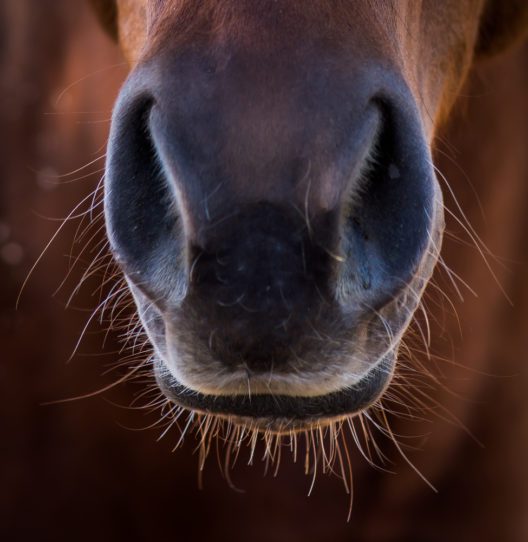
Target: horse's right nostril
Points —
{"points": [[142, 218]]}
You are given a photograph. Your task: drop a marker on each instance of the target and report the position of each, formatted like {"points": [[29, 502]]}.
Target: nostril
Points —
{"points": [[141, 217], [388, 230]]}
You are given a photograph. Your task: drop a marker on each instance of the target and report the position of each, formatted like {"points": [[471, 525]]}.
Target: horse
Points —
{"points": [[482, 491], [271, 196]]}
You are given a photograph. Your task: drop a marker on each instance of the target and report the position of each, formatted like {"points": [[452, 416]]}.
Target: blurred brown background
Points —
{"points": [[73, 471]]}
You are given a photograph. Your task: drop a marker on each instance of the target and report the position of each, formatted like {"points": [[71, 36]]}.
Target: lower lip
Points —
{"points": [[287, 412]]}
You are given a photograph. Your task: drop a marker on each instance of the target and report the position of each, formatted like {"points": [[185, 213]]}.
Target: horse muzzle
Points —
{"points": [[276, 228]]}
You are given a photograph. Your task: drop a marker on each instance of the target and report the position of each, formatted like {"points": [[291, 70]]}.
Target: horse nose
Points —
{"points": [[216, 219]]}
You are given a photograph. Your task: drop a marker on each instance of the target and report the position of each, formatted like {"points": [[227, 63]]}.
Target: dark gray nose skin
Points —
{"points": [[261, 281], [269, 202]]}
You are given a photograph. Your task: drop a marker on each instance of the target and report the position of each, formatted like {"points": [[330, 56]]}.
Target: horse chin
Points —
{"points": [[281, 413]]}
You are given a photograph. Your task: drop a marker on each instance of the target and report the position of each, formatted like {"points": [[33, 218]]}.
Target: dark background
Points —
{"points": [[72, 471]]}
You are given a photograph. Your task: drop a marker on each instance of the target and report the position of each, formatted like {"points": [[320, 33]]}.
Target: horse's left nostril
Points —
{"points": [[386, 233]]}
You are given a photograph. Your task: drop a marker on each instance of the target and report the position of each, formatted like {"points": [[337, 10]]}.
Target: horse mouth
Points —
{"points": [[281, 413]]}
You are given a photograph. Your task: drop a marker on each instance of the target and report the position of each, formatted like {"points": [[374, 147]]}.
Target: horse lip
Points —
{"points": [[281, 413]]}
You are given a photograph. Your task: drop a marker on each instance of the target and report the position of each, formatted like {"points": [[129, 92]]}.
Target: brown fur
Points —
{"points": [[70, 466], [439, 39]]}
